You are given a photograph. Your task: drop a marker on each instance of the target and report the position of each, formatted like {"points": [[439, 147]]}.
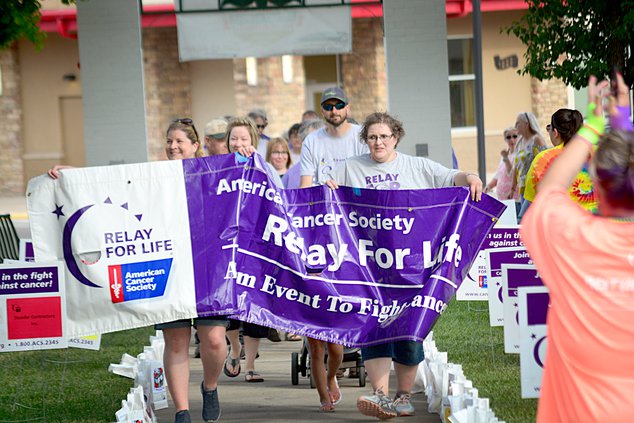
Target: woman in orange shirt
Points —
{"points": [[587, 262]]}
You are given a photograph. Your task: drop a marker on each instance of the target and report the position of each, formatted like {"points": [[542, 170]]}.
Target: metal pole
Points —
{"points": [[477, 65]]}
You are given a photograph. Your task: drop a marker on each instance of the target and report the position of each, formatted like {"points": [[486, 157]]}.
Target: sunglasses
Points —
{"points": [[508, 137], [189, 122], [329, 107], [550, 127], [261, 126]]}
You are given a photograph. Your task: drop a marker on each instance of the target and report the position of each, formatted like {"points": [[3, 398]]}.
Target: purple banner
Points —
{"points": [[353, 266], [28, 280], [213, 186], [517, 277], [498, 258], [537, 307]]}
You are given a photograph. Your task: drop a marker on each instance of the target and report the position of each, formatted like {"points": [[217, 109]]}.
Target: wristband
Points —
{"points": [[589, 135], [621, 121]]}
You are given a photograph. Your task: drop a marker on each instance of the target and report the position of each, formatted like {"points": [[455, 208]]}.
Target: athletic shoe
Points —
{"points": [[182, 417], [378, 405], [403, 405], [211, 405]]}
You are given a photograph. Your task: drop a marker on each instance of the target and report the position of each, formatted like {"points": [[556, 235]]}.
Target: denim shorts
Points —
{"points": [[408, 353], [199, 321], [249, 329]]}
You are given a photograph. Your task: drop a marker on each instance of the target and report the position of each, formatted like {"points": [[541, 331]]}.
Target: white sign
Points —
{"points": [[515, 276], [88, 342], [474, 287], [32, 307], [264, 33], [533, 307], [495, 258]]}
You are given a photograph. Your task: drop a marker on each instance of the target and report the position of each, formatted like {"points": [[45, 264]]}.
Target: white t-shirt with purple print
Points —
{"points": [[404, 172]]}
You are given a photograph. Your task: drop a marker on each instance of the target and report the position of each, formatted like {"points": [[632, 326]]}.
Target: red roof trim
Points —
{"points": [[64, 21]]}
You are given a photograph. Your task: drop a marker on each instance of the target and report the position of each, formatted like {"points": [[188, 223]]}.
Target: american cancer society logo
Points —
{"points": [[135, 281], [106, 244]]}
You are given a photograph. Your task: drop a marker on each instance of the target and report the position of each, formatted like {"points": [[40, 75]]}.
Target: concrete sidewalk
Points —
{"points": [[276, 399]]}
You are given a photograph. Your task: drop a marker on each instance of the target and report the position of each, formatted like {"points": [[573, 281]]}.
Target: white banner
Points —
{"points": [[126, 249], [533, 307]]}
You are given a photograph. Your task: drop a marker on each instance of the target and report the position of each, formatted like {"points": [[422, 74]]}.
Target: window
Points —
{"points": [[461, 81]]}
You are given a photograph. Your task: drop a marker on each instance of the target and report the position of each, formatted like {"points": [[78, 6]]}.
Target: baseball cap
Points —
{"points": [[216, 128], [334, 92], [257, 113]]}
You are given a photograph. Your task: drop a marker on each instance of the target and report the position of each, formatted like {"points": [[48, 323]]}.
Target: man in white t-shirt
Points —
{"points": [[329, 146]]}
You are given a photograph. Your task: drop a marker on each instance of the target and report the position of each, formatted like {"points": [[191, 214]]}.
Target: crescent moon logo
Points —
{"points": [[71, 264], [536, 355]]}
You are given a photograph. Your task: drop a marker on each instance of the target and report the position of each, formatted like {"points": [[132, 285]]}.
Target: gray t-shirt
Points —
{"points": [[321, 152], [404, 172]]}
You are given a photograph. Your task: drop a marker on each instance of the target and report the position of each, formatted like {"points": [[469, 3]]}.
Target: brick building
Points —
{"points": [[41, 117]]}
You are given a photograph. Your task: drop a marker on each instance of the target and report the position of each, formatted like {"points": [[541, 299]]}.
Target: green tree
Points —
{"points": [[20, 19], [573, 39]]}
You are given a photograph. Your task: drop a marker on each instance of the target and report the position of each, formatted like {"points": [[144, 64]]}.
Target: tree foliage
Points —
{"points": [[20, 19], [573, 39]]}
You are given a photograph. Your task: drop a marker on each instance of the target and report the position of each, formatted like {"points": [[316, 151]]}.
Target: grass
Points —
{"points": [[464, 332], [48, 390]]}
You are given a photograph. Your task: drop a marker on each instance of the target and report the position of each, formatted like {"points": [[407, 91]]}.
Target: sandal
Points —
{"points": [[253, 377], [332, 395], [235, 365], [293, 337], [327, 407]]}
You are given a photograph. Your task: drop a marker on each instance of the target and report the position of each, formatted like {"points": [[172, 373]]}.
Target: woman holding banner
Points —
{"points": [[382, 133], [587, 262], [242, 139], [182, 142]]}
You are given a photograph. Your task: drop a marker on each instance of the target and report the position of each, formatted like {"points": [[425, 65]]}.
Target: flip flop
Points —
{"points": [[234, 363], [253, 377], [293, 337], [332, 397], [327, 407]]}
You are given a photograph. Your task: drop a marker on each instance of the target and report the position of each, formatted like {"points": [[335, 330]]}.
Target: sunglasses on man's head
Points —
{"points": [[514, 136], [329, 107]]}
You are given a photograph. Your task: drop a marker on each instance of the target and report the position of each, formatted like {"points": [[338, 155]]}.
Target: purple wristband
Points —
{"points": [[622, 120]]}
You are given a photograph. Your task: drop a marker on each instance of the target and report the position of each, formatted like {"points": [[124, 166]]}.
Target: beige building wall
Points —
{"points": [[213, 92], [505, 92], [44, 89], [11, 139]]}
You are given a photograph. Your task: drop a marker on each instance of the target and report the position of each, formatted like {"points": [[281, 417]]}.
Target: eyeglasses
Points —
{"points": [[514, 136], [189, 122], [382, 137], [329, 107], [261, 126], [279, 153], [550, 127]]}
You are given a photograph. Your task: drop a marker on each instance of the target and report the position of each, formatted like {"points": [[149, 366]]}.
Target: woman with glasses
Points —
{"points": [[182, 142], [385, 168], [278, 155], [564, 123], [503, 179], [587, 263], [529, 144]]}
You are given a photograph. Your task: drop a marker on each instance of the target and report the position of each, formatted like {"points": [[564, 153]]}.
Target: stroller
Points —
{"points": [[300, 363]]}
